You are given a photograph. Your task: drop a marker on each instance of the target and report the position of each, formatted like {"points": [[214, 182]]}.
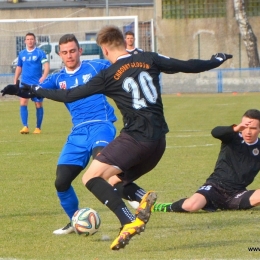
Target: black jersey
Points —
{"points": [[135, 51], [238, 162], [133, 83]]}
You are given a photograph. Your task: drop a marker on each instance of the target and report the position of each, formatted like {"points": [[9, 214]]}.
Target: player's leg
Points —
{"points": [[39, 114], [24, 115], [194, 203], [95, 181], [130, 192], [254, 199], [113, 158], [244, 199], [149, 155], [65, 174], [202, 199], [73, 158], [138, 192]]}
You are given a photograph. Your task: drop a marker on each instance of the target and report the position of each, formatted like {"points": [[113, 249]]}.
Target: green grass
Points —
{"points": [[30, 210]]}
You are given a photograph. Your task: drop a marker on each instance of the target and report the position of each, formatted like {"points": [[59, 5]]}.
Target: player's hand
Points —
{"points": [[221, 56], [11, 89], [28, 88]]}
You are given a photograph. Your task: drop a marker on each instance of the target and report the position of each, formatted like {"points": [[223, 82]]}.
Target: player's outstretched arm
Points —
{"points": [[94, 86], [171, 65], [11, 89], [15, 90]]}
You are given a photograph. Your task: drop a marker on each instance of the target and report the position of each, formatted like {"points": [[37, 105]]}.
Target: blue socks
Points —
{"points": [[24, 115], [69, 201], [39, 117]]}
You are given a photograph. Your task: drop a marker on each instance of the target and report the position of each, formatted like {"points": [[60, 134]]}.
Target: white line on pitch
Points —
{"points": [[189, 146], [15, 154]]}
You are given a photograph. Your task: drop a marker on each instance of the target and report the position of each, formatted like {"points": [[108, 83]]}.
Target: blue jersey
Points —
{"points": [[87, 110], [31, 63]]}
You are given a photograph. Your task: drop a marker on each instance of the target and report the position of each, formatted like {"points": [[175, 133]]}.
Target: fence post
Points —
{"points": [[220, 81]]}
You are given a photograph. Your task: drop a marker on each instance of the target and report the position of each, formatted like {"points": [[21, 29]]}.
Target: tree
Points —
{"points": [[247, 34]]}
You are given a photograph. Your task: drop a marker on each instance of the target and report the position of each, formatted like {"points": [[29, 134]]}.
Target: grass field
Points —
{"points": [[30, 210]]}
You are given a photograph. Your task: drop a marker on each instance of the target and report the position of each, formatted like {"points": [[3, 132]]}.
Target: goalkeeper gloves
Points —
{"points": [[221, 56], [11, 89]]}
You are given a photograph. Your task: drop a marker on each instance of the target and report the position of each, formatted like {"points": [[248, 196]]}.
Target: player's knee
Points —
{"points": [[190, 205], [61, 185], [65, 174]]}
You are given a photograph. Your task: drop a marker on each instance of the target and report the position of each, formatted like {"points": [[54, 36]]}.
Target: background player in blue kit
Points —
{"points": [[30, 63]]}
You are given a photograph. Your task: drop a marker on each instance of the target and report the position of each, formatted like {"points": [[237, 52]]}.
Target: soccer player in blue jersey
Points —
{"points": [[33, 67], [92, 120]]}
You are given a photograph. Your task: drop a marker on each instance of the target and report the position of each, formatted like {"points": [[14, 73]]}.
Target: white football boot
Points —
{"points": [[68, 229]]}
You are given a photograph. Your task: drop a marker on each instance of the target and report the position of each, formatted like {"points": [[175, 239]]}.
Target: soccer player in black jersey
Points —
{"points": [[132, 81], [237, 165], [130, 43]]}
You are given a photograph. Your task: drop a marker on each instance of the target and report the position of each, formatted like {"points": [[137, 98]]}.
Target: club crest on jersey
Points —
{"points": [[63, 85], [86, 77], [255, 151], [34, 58]]}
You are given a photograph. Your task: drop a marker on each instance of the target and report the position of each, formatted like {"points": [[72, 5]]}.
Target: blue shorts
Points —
{"points": [[37, 99], [83, 139]]}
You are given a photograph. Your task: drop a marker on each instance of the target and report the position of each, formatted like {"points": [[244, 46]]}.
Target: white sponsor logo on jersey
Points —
{"points": [[86, 77]]}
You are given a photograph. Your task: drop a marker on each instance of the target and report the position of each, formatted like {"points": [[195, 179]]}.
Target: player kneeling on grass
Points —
{"points": [[237, 165]]}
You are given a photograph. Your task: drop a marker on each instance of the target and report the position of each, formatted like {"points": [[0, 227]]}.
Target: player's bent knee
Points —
{"points": [[65, 174], [193, 205]]}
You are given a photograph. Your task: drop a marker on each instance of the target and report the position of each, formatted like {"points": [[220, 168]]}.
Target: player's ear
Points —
{"points": [[80, 51], [104, 50]]}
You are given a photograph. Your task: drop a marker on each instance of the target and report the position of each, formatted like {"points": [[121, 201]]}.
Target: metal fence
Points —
{"points": [[214, 81]]}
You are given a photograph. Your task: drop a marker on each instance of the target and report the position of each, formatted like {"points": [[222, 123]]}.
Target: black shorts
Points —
{"points": [[133, 157], [219, 198]]}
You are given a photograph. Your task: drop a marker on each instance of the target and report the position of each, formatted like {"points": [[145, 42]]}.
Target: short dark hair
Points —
{"points": [[110, 35], [30, 34], [253, 114], [129, 33], [68, 38]]}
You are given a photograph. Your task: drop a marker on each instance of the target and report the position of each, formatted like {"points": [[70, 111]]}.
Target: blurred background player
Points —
{"points": [[130, 43], [33, 66], [237, 165]]}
